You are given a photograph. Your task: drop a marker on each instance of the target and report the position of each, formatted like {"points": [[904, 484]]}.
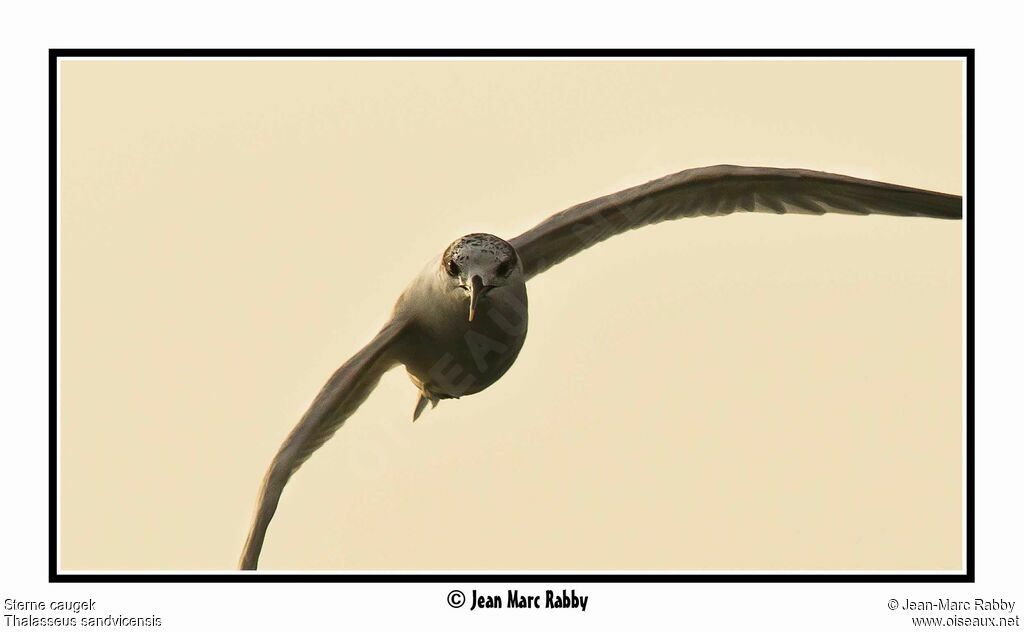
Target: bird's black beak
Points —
{"points": [[476, 292]]}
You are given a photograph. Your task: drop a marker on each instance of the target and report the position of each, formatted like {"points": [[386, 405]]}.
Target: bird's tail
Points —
{"points": [[421, 404]]}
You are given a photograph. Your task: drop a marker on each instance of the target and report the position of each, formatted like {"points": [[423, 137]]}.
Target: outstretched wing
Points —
{"points": [[338, 399], [720, 190]]}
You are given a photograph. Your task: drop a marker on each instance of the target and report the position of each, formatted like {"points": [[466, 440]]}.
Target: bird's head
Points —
{"points": [[479, 263]]}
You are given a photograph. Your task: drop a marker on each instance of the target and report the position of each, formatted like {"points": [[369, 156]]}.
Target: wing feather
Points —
{"points": [[338, 399], [721, 190]]}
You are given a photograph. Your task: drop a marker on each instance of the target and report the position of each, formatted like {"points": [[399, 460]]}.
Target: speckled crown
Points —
{"points": [[480, 244]]}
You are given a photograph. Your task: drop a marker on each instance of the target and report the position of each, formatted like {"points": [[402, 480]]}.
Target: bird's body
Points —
{"points": [[446, 354], [462, 321]]}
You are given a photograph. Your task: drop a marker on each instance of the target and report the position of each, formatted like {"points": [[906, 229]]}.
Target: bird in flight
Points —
{"points": [[459, 325]]}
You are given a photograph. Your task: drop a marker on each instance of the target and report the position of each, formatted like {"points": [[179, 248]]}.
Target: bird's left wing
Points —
{"points": [[720, 190], [338, 399]]}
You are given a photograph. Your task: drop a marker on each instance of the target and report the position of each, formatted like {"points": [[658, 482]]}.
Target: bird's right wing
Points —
{"points": [[338, 399], [720, 190]]}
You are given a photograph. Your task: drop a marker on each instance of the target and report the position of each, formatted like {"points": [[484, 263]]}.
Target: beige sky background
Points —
{"points": [[747, 392]]}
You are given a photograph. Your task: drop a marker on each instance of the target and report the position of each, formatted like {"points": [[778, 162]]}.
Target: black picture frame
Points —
{"points": [[55, 576]]}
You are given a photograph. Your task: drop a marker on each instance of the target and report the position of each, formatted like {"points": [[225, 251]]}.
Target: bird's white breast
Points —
{"points": [[450, 356]]}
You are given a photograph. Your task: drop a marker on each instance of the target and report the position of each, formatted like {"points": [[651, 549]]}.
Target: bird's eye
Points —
{"points": [[452, 268], [505, 267]]}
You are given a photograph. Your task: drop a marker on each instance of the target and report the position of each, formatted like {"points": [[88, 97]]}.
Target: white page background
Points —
{"points": [[28, 30]]}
